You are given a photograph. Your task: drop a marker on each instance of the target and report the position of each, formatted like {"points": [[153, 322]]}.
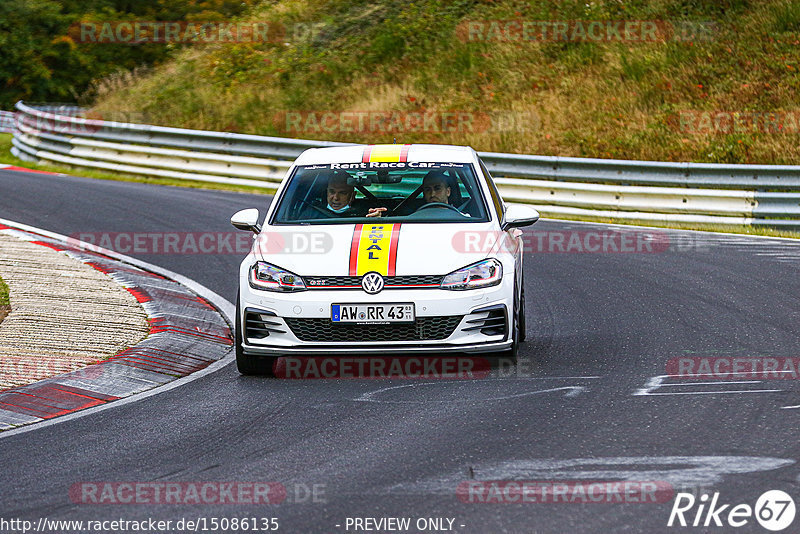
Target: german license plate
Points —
{"points": [[372, 313]]}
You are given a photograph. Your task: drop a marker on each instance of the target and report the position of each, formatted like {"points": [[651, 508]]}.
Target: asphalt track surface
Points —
{"points": [[612, 320]]}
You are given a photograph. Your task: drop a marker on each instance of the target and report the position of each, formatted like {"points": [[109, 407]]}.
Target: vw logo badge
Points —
{"points": [[372, 283]]}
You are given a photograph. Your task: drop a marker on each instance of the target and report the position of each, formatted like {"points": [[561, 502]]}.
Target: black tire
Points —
{"points": [[249, 365], [522, 322], [513, 352]]}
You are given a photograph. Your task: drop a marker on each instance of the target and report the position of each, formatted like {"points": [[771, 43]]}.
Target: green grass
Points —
{"points": [[584, 99], [5, 302], [3, 293]]}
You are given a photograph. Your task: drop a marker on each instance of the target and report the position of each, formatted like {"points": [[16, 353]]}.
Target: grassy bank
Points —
{"points": [[5, 303], [605, 99]]}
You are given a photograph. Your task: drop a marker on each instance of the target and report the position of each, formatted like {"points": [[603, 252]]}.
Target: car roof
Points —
{"points": [[387, 153]]}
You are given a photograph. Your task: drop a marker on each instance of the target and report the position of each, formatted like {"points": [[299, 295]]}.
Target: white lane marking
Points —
{"points": [[572, 391], [790, 407], [714, 383], [716, 392], [657, 382], [226, 308], [696, 469]]}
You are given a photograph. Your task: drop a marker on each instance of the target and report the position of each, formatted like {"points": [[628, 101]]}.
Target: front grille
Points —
{"points": [[414, 280], [324, 330], [327, 282]]}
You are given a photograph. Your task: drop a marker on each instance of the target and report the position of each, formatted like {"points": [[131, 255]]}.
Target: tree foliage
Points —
{"points": [[40, 60]]}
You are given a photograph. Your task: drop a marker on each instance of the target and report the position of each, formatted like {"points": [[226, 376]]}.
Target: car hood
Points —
{"points": [[391, 249]]}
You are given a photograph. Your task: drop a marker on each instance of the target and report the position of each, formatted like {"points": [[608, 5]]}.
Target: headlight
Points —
{"points": [[266, 276], [485, 273]]}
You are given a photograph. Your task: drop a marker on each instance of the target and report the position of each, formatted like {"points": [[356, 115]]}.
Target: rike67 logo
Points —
{"points": [[774, 510]]}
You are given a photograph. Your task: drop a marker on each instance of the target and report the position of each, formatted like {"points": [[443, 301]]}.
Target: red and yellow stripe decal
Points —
{"points": [[385, 153], [374, 248]]}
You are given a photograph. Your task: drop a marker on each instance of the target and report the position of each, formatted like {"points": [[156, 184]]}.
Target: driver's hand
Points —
{"points": [[376, 212]]}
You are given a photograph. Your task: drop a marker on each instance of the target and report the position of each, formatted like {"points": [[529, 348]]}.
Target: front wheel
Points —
{"points": [[521, 315], [249, 365], [513, 351]]}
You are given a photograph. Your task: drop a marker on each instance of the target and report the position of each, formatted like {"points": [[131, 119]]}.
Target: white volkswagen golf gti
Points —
{"points": [[382, 249]]}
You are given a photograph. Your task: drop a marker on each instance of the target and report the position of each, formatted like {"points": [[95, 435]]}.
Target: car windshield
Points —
{"points": [[348, 192]]}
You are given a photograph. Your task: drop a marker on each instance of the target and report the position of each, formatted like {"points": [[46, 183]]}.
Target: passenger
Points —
{"points": [[435, 188]]}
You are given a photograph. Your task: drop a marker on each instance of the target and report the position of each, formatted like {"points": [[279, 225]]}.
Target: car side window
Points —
{"points": [[499, 207]]}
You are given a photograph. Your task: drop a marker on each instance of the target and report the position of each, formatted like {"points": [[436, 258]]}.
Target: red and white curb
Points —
{"points": [[8, 167], [189, 332]]}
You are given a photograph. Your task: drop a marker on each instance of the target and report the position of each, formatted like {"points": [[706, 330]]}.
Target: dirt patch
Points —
{"points": [[4, 310]]}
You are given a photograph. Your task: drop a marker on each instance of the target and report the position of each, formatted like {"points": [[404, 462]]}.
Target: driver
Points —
{"points": [[340, 195], [435, 188]]}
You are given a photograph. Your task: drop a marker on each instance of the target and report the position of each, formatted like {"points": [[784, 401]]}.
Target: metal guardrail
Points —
{"points": [[633, 190], [6, 121]]}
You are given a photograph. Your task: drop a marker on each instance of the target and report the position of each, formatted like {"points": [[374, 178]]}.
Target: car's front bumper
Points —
{"points": [[334, 350], [465, 309]]}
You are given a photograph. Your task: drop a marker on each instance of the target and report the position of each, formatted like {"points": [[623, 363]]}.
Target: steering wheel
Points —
{"points": [[438, 205]]}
